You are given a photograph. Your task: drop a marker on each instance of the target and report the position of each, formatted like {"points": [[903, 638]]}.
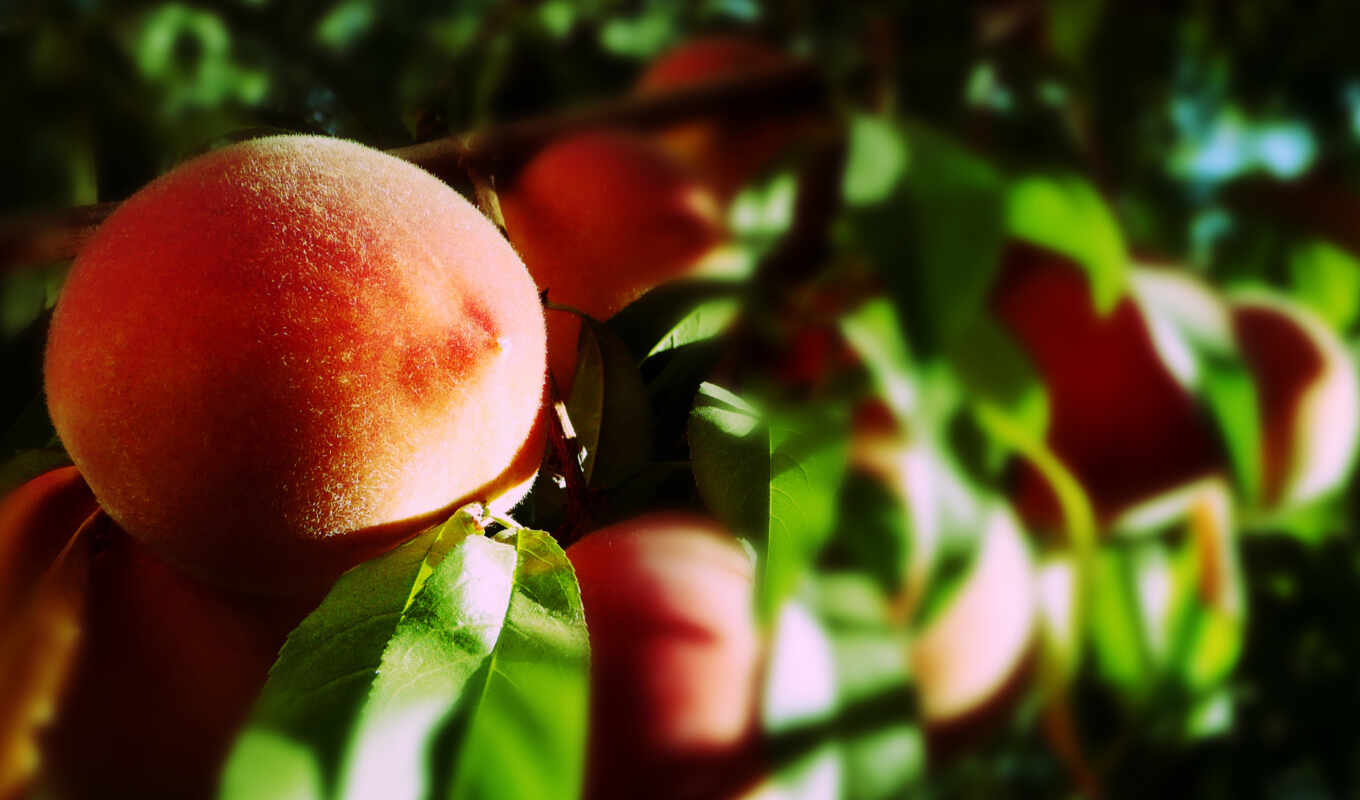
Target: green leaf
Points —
{"points": [[730, 456], [609, 408], [808, 454], [1327, 279], [645, 322], [523, 723], [936, 238], [874, 529], [317, 688], [1071, 25], [993, 367], [875, 162], [771, 475], [838, 708], [800, 693], [1115, 624], [1230, 392], [875, 332], [643, 36], [25, 294], [417, 665], [1066, 214], [29, 464], [762, 212], [704, 322], [585, 406], [1192, 333]]}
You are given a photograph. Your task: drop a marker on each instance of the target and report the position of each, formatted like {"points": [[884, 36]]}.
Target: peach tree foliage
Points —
{"points": [[1083, 128]]}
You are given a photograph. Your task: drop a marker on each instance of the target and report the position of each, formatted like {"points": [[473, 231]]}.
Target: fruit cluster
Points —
{"points": [[291, 355]]}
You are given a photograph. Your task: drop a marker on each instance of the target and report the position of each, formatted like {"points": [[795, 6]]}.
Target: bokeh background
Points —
{"points": [[1219, 137]]}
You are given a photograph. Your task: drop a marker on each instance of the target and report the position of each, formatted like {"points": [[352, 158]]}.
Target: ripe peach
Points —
{"points": [[974, 660], [1119, 418], [36, 522], [1309, 397], [675, 659], [286, 354], [600, 219], [725, 152], [166, 673]]}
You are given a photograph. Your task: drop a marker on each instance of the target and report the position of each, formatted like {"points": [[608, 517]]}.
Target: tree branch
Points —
{"points": [[495, 151]]}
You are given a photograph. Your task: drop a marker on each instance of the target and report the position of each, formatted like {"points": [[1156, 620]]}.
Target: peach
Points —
{"points": [[675, 657], [166, 673], [287, 354], [1120, 419], [973, 661], [1309, 397], [36, 521], [600, 219], [729, 151]]}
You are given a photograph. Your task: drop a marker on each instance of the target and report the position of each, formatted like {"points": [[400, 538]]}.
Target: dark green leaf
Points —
{"points": [[936, 238], [585, 406], [609, 408], [772, 475]]}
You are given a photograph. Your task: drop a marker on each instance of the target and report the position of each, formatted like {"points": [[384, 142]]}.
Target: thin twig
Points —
{"points": [[567, 454], [493, 152]]}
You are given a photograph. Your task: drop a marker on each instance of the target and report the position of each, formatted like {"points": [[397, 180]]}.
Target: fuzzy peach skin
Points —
{"points": [[675, 660], [728, 151], [285, 355], [600, 219]]}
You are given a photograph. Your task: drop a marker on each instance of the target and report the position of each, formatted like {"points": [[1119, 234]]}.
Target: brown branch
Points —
{"points": [[494, 152], [567, 454]]}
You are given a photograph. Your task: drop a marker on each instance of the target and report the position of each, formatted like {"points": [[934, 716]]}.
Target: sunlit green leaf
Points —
{"points": [[1115, 626], [675, 314], [876, 160], [316, 691], [876, 333], [523, 722], [1326, 279], [454, 666], [704, 322], [1230, 392], [1066, 214], [764, 210]]}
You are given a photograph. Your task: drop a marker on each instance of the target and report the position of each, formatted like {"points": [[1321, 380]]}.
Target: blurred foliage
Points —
{"points": [[1110, 132]]}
